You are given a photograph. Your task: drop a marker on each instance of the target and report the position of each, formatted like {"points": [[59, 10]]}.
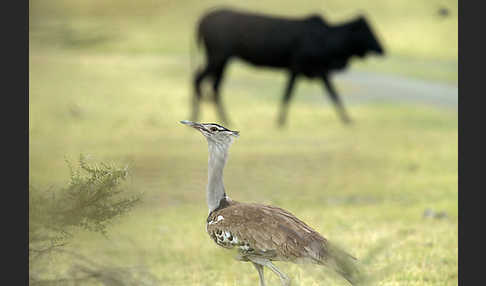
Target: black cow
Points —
{"points": [[307, 46]]}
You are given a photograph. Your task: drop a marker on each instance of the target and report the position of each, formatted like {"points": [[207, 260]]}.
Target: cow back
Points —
{"points": [[258, 39]]}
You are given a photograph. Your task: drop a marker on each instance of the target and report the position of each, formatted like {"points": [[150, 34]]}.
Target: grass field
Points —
{"points": [[111, 79], [418, 41]]}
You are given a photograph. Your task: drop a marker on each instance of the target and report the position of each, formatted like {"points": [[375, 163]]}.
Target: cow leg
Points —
{"points": [[200, 75], [286, 99], [335, 99], [218, 77]]}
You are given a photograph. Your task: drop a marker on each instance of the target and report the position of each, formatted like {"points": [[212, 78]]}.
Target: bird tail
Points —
{"points": [[343, 263]]}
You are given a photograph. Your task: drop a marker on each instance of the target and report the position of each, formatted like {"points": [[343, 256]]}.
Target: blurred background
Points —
{"points": [[112, 79]]}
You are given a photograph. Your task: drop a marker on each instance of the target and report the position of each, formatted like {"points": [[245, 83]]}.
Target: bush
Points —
{"points": [[90, 202]]}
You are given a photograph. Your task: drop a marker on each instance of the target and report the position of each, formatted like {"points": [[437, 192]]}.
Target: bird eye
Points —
{"points": [[214, 129]]}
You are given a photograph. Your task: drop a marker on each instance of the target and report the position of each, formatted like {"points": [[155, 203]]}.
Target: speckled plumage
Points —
{"points": [[270, 232]]}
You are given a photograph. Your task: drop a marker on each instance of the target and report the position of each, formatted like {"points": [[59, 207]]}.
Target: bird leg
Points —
{"points": [[284, 278], [259, 268], [265, 262]]}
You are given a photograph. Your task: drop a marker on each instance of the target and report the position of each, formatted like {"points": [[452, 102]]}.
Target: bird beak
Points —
{"points": [[195, 125]]}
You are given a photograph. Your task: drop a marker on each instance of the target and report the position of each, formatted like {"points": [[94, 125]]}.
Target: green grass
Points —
{"points": [[357, 185], [418, 42], [111, 79]]}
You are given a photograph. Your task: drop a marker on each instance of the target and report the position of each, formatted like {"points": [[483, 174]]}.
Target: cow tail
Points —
{"points": [[193, 53]]}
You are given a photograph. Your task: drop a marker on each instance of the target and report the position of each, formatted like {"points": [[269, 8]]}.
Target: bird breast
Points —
{"points": [[223, 236]]}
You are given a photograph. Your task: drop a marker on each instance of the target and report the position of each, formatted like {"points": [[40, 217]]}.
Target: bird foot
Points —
{"points": [[286, 282]]}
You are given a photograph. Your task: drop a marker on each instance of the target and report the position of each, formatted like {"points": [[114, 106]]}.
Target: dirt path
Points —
{"points": [[354, 86], [367, 86]]}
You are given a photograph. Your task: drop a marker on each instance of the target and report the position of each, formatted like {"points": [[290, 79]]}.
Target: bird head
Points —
{"points": [[213, 132]]}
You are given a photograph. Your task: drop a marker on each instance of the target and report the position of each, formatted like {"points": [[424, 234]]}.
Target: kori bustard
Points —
{"points": [[262, 233]]}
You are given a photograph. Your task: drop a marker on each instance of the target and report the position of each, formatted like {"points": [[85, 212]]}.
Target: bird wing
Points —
{"points": [[266, 231]]}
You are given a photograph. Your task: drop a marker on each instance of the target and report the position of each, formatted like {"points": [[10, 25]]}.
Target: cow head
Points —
{"points": [[364, 39]]}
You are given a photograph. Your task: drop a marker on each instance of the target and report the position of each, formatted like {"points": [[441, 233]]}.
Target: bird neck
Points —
{"points": [[218, 155]]}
